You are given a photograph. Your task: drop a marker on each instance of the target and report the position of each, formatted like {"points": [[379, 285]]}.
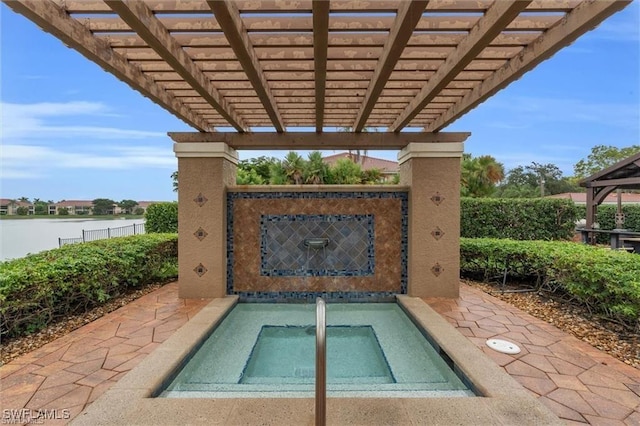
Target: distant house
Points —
{"points": [[74, 207], [388, 169], [10, 207], [145, 204], [581, 197]]}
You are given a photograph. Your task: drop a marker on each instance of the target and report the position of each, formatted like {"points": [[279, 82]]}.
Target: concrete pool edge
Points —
{"points": [[130, 401]]}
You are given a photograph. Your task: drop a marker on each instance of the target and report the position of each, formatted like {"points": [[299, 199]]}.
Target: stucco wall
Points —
{"points": [[202, 225]]}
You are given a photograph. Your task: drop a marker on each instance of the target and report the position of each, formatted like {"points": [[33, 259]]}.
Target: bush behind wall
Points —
{"points": [[518, 219], [162, 218]]}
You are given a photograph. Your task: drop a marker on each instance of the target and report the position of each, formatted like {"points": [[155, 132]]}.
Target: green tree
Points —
{"points": [[345, 172], [277, 174], [480, 175], [371, 176], [535, 180], [139, 211], [40, 207], [127, 205], [260, 166], [103, 206], [601, 157], [294, 166], [63, 211], [174, 178], [316, 170], [22, 211], [248, 177]]}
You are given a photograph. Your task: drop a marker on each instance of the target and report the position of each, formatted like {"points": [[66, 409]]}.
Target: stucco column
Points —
{"points": [[204, 172], [432, 170]]}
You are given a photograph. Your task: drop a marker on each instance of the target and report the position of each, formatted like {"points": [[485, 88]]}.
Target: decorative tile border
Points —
{"points": [[310, 297], [307, 296]]}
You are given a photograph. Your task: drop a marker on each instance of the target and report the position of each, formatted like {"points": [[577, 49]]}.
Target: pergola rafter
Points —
{"points": [[499, 15], [320, 48], [408, 16], [229, 19], [142, 20], [327, 64], [581, 19], [54, 20]]}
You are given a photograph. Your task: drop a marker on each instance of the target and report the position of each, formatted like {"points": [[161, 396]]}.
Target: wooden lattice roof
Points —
{"points": [[284, 64], [624, 174]]}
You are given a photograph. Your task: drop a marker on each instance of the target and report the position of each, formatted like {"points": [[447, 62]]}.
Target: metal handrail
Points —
{"points": [[321, 362]]}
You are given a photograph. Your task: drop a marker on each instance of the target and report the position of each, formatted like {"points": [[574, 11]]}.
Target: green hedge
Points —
{"points": [[40, 288], [162, 218], [606, 281], [518, 219]]}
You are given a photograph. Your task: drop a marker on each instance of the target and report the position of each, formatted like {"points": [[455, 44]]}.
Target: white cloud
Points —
{"points": [[32, 161], [36, 141], [528, 109], [42, 121]]}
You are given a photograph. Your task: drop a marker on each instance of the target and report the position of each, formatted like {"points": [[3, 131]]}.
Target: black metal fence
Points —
{"points": [[103, 234]]}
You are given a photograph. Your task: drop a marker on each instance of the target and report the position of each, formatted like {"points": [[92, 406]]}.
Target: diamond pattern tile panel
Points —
{"points": [[349, 251]]}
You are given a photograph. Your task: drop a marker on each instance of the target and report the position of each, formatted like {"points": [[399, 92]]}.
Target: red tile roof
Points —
{"points": [[366, 162], [581, 197]]}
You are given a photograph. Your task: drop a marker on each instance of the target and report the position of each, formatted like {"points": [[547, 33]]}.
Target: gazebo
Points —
{"points": [[625, 174], [283, 75]]}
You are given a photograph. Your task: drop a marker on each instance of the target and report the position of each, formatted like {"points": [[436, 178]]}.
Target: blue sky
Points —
{"points": [[72, 131]]}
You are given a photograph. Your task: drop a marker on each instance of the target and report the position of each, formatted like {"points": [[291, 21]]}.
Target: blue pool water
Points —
{"points": [[287, 355], [268, 350]]}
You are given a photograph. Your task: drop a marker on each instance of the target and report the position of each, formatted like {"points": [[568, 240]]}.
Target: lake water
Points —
{"points": [[22, 236]]}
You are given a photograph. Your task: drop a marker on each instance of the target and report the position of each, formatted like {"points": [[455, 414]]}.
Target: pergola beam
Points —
{"points": [[613, 182], [54, 20], [313, 140], [320, 49], [497, 17], [141, 19], [408, 16], [228, 17], [580, 20]]}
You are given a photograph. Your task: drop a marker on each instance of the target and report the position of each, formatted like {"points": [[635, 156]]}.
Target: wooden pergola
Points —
{"points": [[283, 65]]}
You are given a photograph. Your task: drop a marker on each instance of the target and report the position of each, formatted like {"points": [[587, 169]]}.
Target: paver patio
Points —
{"points": [[577, 382]]}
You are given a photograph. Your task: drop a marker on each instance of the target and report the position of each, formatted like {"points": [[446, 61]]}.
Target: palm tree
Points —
{"points": [[293, 165], [480, 175], [316, 171]]}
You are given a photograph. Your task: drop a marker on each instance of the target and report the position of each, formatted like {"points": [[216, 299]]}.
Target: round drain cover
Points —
{"points": [[503, 346]]}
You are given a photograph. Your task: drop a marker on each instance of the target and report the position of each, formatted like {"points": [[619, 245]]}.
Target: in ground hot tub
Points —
{"points": [[373, 350]]}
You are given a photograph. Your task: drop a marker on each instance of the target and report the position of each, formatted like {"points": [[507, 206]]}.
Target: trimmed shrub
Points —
{"points": [[162, 218], [40, 288], [518, 219], [606, 281]]}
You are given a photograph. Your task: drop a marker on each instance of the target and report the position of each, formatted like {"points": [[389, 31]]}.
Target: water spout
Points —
{"points": [[316, 243]]}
